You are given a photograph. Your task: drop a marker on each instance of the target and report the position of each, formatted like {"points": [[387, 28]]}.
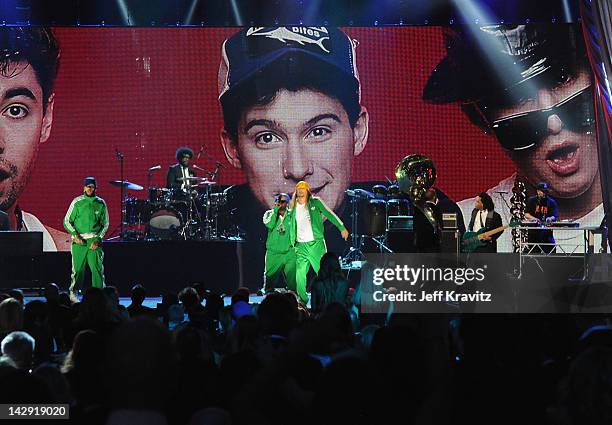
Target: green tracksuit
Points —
{"points": [[87, 217], [280, 255], [310, 253]]}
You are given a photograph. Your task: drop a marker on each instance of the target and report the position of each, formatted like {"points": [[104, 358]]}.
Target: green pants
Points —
{"points": [[277, 265], [81, 257], [307, 254]]}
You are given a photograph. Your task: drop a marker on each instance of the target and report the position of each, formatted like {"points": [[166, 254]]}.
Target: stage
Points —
{"points": [[158, 265]]}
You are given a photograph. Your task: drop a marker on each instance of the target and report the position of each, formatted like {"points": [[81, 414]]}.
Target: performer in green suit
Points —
{"points": [[87, 222], [280, 255], [307, 233]]}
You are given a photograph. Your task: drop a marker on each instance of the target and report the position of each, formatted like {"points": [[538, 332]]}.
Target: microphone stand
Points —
{"points": [[149, 178], [354, 253], [119, 156]]}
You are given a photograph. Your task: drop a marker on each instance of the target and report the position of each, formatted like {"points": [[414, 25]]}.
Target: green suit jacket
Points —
{"points": [[278, 231], [317, 210], [87, 217]]}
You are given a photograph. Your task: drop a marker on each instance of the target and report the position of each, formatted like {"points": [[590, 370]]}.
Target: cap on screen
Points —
{"points": [[253, 49]]}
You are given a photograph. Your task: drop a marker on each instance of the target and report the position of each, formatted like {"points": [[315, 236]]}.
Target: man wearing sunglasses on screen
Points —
{"points": [[529, 86]]}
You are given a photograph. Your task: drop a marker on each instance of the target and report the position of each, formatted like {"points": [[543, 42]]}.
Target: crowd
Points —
{"points": [[194, 360]]}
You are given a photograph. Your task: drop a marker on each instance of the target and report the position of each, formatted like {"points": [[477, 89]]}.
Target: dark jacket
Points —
{"points": [[492, 221], [427, 237], [173, 175]]}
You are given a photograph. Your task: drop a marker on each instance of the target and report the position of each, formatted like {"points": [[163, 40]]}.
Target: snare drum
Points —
{"points": [[159, 195], [180, 195], [137, 211], [380, 191]]}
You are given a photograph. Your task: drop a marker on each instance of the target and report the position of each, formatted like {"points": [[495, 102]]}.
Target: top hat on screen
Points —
{"points": [[322, 51], [488, 60]]}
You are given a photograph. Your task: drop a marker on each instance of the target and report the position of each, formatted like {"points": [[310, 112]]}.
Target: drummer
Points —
{"points": [[178, 174]]}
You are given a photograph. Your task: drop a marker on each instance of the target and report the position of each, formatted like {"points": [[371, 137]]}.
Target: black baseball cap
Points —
{"points": [[282, 196], [254, 49], [89, 181]]}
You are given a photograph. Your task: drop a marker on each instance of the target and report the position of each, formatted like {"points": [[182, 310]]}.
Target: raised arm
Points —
{"points": [[270, 217]]}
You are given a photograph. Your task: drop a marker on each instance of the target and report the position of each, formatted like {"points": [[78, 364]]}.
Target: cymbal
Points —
{"points": [[126, 184], [188, 178], [205, 183]]}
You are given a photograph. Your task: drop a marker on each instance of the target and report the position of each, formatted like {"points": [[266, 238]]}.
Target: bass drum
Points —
{"points": [[165, 224]]}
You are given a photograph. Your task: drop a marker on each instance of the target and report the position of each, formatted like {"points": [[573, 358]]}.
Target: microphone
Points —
{"points": [[198, 168], [501, 191], [118, 154], [155, 167]]}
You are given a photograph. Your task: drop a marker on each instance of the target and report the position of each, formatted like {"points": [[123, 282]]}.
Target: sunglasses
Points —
{"points": [[526, 129]]}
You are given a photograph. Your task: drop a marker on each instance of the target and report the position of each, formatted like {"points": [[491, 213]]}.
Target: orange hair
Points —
{"points": [[301, 185]]}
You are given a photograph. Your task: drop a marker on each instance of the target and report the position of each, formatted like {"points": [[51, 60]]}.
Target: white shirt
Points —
{"points": [[186, 182], [480, 215], [304, 227], [570, 239]]}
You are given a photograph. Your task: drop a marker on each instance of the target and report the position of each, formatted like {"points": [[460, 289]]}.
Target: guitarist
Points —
{"points": [[484, 215]]}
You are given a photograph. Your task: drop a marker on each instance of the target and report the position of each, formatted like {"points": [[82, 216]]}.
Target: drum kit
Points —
{"points": [[370, 215], [387, 210], [195, 212]]}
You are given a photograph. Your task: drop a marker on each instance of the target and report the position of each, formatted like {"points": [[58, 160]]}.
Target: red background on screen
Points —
{"points": [[148, 91]]}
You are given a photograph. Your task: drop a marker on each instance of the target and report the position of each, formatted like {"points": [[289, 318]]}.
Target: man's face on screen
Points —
{"points": [[566, 159], [23, 126], [299, 135]]}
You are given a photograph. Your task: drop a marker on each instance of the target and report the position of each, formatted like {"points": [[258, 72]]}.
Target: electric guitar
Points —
{"points": [[472, 240]]}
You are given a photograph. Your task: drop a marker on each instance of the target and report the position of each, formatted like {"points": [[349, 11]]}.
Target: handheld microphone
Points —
{"points": [[155, 167]]}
